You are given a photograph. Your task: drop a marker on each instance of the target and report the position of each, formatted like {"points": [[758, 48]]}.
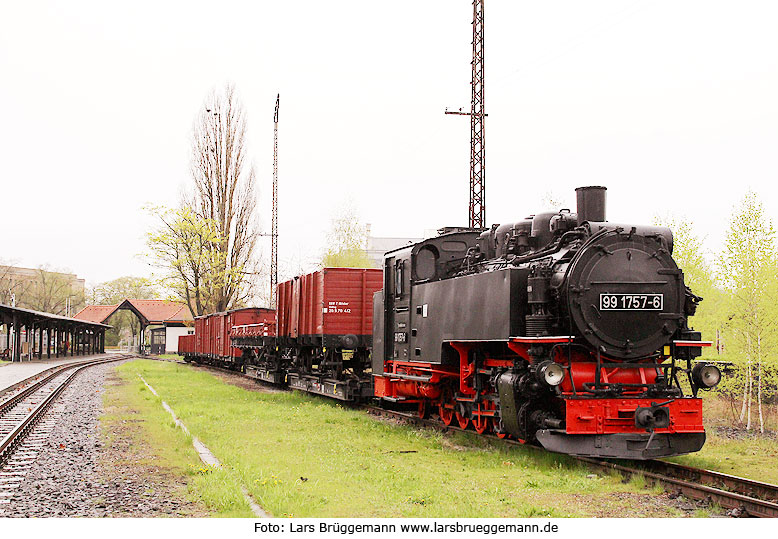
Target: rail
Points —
{"points": [[12, 439]]}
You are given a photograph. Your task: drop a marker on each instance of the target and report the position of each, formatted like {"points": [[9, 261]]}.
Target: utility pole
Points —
{"points": [[274, 230], [477, 208]]}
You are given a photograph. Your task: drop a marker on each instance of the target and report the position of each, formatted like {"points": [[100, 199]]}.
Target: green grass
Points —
{"points": [[303, 456], [133, 407], [174, 357], [754, 457], [3, 362], [751, 455]]}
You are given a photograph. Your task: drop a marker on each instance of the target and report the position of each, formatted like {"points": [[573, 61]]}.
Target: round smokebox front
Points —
{"points": [[625, 295]]}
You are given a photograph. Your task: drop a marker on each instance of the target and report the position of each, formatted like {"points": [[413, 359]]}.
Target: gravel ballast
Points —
{"points": [[76, 474]]}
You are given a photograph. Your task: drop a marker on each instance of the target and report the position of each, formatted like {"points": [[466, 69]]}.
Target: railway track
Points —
{"points": [[743, 497], [25, 424]]}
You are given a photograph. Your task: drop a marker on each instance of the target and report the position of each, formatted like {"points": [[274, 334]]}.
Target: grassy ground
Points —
{"points": [[734, 450], [131, 406], [174, 357], [307, 457], [3, 362]]}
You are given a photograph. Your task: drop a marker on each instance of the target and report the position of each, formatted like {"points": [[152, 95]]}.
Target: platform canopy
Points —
{"points": [[71, 336]]}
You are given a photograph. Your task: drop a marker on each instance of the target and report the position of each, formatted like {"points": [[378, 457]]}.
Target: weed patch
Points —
{"points": [[131, 403], [304, 456]]}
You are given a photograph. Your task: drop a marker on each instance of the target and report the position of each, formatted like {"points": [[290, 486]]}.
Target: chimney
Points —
{"points": [[591, 204]]}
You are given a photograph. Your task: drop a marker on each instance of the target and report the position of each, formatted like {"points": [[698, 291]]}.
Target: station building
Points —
{"points": [[163, 320]]}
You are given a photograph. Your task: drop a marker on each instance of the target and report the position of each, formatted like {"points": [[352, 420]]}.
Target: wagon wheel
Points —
{"points": [[482, 423], [422, 409], [462, 420], [446, 406]]}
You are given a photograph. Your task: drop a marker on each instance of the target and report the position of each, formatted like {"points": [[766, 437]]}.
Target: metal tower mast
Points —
{"points": [[477, 209], [274, 231]]}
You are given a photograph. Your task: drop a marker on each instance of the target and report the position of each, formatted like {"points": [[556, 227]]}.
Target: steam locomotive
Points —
{"points": [[561, 330]]}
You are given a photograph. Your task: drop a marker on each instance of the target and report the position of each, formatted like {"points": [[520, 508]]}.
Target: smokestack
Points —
{"points": [[591, 203]]}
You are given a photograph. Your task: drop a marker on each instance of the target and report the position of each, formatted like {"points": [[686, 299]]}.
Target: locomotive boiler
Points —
{"points": [[561, 329]]}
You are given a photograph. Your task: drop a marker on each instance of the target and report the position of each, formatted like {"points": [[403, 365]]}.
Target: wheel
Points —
{"points": [[446, 406], [462, 420], [482, 423], [422, 410], [446, 414]]}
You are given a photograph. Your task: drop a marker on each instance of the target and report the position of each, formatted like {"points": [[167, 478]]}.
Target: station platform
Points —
{"points": [[13, 373]]}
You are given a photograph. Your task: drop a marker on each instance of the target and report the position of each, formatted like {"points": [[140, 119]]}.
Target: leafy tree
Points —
{"points": [[346, 241], [699, 276], [50, 291], [748, 271], [182, 245]]}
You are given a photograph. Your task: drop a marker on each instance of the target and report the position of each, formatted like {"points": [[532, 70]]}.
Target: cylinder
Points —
{"points": [[591, 204]]}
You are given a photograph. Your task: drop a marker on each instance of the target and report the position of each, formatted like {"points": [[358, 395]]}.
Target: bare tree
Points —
{"points": [[11, 286], [49, 291], [224, 192]]}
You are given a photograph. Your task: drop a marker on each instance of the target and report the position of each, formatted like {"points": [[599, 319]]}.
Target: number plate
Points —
{"points": [[631, 302]]}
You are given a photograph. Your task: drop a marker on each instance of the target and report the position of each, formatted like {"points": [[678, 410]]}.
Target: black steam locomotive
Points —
{"points": [[561, 329]]}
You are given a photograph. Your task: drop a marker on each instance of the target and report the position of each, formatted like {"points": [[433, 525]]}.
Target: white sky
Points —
{"points": [[673, 105]]}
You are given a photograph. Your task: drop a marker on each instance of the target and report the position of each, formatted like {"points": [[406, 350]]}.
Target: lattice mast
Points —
{"points": [[477, 207], [274, 226]]}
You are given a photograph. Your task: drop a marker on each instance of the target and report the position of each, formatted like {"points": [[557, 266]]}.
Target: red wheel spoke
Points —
{"points": [[446, 415]]}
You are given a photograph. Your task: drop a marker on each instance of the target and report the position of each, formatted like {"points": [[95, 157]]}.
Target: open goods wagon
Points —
{"points": [[322, 335], [325, 326], [212, 338], [186, 344], [330, 307]]}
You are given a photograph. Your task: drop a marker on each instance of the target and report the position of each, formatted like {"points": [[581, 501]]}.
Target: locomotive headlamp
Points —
{"points": [[550, 373], [706, 375]]}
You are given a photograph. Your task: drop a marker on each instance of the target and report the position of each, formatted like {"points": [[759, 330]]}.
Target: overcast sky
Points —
{"points": [[673, 105]]}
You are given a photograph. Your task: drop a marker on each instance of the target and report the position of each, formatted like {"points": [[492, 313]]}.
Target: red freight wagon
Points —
{"points": [[200, 336], [330, 307], [208, 345], [186, 345], [284, 312], [244, 317], [213, 332]]}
